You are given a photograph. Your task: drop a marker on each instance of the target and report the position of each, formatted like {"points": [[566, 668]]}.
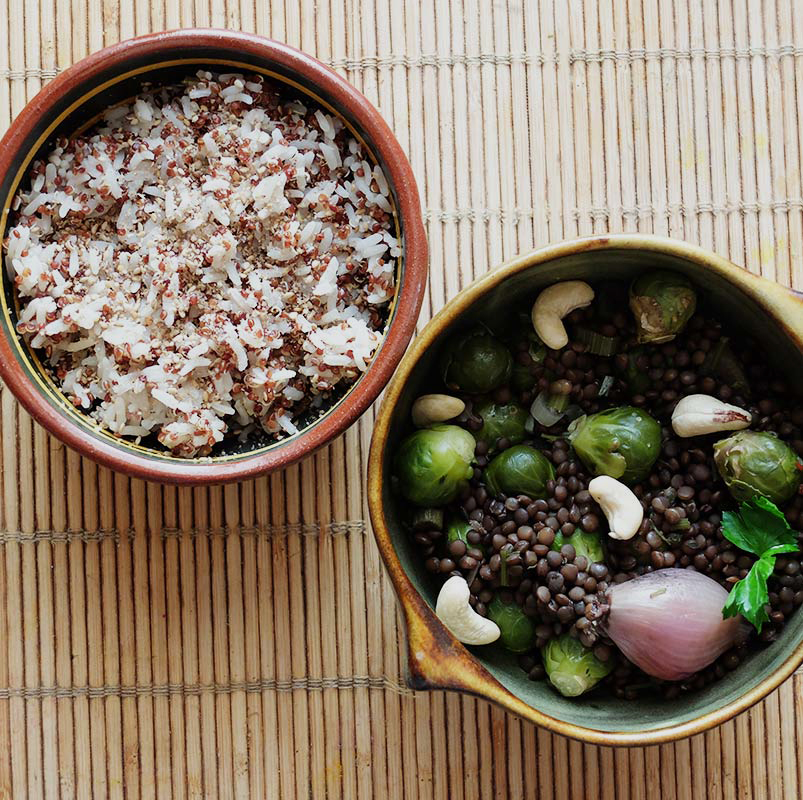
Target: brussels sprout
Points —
{"points": [[621, 442], [756, 463], [584, 544], [519, 470], [571, 668], [501, 421], [517, 630], [662, 302], [475, 362], [433, 464]]}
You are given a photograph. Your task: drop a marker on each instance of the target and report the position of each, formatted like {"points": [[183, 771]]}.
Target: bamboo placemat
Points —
{"points": [[244, 641]]}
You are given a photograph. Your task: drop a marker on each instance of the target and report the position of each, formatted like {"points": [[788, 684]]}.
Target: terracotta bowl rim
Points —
{"points": [[436, 660], [412, 280]]}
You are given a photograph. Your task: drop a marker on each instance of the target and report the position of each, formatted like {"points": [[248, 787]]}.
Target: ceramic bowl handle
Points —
{"points": [[435, 659]]}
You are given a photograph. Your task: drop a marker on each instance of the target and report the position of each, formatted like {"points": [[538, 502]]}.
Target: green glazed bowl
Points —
{"points": [[436, 660]]}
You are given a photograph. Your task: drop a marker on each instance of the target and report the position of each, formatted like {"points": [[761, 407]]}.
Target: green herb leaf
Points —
{"points": [[759, 528], [762, 529], [750, 595]]}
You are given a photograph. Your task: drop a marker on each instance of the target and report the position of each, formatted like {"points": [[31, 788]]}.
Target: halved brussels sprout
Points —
{"points": [[475, 362], [584, 544], [501, 421], [621, 442], [517, 630], [758, 463], [662, 302], [571, 668], [433, 464], [519, 470]]}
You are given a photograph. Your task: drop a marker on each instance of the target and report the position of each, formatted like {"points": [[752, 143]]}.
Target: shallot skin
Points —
{"points": [[669, 622]]}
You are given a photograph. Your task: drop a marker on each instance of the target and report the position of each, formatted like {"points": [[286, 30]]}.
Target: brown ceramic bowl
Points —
{"points": [[117, 73], [436, 660]]}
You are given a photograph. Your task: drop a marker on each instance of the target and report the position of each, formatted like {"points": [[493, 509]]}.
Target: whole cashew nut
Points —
{"points": [[697, 414], [621, 507], [553, 304], [460, 618], [431, 408]]}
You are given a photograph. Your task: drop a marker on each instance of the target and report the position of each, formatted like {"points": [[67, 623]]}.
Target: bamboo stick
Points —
{"points": [[158, 636], [789, 89], [173, 631], [189, 646], [146, 749], [236, 643], [219, 655], [313, 634], [251, 665], [127, 627], [78, 646], [5, 65], [626, 131], [110, 636], [267, 642], [581, 123], [206, 672], [297, 639]]}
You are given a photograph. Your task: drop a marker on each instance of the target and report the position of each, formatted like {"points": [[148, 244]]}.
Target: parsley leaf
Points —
{"points": [[759, 528], [750, 595]]}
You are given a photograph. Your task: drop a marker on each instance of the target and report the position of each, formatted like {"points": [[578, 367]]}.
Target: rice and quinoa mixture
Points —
{"points": [[211, 258]]}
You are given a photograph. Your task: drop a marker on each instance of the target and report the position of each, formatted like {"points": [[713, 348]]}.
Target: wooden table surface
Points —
{"points": [[244, 641]]}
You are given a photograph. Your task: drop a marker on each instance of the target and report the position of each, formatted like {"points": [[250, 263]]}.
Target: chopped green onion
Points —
{"points": [[537, 353], [503, 555], [596, 343], [549, 408], [607, 384]]}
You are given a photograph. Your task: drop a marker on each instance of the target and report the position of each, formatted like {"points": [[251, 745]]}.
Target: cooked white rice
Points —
{"points": [[210, 257]]}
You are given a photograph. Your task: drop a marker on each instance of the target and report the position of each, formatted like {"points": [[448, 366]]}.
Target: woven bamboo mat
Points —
{"points": [[244, 641]]}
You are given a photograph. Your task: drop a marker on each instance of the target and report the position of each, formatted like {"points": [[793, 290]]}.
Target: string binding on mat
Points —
{"points": [[193, 690], [337, 528]]}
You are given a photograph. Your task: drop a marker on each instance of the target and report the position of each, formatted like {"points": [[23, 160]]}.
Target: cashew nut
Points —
{"points": [[697, 414], [431, 408], [553, 304], [621, 507], [460, 618]]}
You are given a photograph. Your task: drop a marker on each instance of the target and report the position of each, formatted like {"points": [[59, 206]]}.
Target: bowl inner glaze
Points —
{"points": [[600, 711], [76, 111]]}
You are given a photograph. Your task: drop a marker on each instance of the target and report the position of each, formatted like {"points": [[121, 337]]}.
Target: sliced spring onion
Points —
{"points": [[549, 408], [503, 555], [537, 352], [596, 343], [607, 385]]}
